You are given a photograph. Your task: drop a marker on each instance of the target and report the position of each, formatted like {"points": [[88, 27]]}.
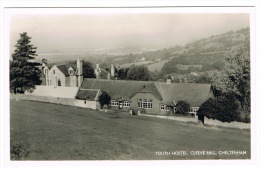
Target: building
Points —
{"points": [[67, 86], [104, 74], [157, 98], [60, 75]]}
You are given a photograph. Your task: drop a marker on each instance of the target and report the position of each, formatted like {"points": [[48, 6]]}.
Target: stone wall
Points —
{"points": [[51, 91], [234, 124], [63, 101]]}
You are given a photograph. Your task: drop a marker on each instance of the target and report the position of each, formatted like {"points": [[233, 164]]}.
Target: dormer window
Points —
{"points": [[71, 71]]}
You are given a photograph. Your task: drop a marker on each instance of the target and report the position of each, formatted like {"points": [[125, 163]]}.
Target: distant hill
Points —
{"points": [[209, 52]]}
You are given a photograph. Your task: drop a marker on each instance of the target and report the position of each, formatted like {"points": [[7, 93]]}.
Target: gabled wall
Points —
{"points": [[155, 102], [54, 77]]}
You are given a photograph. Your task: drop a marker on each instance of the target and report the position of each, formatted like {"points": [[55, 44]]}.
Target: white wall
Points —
{"points": [[89, 104], [51, 91], [233, 124], [58, 75]]}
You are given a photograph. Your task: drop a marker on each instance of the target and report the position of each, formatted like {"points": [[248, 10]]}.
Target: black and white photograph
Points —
{"points": [[130, 84]]}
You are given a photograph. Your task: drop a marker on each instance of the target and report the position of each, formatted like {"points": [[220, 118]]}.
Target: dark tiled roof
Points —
{"points": [[87, 94], [63, 69], [193, 93], [116, 89]]}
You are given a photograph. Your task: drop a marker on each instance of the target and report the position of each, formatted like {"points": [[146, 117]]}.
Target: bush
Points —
{"points": [[223, 108], [141, 110], [244, 117], [18, 152], [104, 99], [182, 107]]}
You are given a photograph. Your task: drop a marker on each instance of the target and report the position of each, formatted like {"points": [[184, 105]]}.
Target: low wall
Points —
{"points": [[51, 91], [226, 124], [62, 101], [184, 119], [210, 122], [86, 104], [47, 99]]}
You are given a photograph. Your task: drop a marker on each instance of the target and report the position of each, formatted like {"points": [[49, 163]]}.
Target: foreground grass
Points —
{"points": [[56, 132]]}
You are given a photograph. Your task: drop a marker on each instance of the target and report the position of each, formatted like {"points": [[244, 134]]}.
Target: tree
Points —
{"points": [[203, 78], [238, 72], [223, 108], [88, 70], [138, 73], [104, 99], [182, 107], [122, 73], [23, 71], [235, 77]]}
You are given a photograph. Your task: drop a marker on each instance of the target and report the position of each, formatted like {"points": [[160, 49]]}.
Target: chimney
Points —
{"points": [[168, 81], [97, 66], [108, 76], [185, 80], [79, 71], [180, 80], [112, 70]]}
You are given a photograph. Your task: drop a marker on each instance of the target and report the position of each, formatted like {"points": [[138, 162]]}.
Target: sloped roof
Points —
{"points": [[116, 89], [150, 88], [87, 94], [193, 93], [63, 69]]}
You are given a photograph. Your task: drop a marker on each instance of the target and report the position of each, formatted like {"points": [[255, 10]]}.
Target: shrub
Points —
{"points": [[223, 108], [18, 152], [141, 110], [244, 117], [182, 107], [104, 99]]}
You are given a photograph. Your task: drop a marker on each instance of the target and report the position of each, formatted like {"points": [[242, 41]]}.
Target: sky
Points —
{"points": [[56, 32]]}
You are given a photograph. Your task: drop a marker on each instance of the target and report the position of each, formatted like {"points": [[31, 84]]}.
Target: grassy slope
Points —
{"points": [[157, 66], [56, 132]]}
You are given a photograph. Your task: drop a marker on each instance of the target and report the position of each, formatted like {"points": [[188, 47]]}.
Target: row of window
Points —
{"points": [[116, 103], [164, 107], [147, 104]]}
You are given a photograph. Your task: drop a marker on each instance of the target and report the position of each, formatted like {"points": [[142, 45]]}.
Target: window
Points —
{"points": [[71, 72], [164, 107], [194, 109], [145, 103], [53, 71], [114, 103], [174, 109], [59, 82], [85, 102], [126, 104]]}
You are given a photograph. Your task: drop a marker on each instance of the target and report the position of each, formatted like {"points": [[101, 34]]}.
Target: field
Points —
{"points": [[56, 132], [157, 66]]}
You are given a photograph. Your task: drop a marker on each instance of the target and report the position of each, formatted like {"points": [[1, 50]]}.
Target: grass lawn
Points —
{"points": [[56, 132]]}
